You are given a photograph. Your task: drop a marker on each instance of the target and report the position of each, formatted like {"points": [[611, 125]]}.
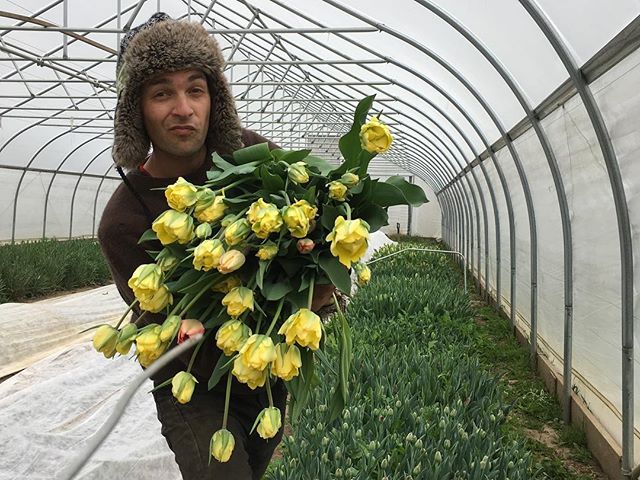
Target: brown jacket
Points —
{"points": [[123, 222]]}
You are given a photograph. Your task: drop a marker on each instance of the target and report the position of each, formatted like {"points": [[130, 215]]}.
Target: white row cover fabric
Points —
{"points": [[49, 411], [32, 331]]}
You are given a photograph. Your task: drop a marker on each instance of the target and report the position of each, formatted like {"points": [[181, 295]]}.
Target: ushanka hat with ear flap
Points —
{"points": [[160, 45]]}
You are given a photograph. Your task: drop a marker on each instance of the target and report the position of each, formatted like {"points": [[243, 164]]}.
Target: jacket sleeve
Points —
{"points": [[119, 243]]}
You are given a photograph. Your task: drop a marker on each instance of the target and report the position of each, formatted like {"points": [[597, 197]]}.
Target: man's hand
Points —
{"points": [[322, 296]]}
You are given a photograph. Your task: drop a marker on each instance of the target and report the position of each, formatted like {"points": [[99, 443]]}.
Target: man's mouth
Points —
{"points": [[183, 129]]}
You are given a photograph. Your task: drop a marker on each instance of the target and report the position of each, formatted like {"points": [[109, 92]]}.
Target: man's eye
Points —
{"points": [[160, 94]]}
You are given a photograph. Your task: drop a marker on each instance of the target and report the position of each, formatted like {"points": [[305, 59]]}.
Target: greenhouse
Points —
{"points": [[419, 218]]}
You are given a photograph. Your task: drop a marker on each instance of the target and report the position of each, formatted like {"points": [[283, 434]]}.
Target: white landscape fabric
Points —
{"points": [[49, 411]]}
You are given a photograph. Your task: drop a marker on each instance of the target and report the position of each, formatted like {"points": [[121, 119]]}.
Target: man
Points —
{"points": [[173, 95]]}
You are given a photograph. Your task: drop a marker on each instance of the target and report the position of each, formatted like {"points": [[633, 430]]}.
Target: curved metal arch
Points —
{"points": [[560, 193], [75, 188], [406, 88], [622, 217], [53, 177], [484, 104], [26, 168], [95, 199]]}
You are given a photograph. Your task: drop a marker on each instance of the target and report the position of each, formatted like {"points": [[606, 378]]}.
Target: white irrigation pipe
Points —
{"points": [[71, 471], [464, 260]]}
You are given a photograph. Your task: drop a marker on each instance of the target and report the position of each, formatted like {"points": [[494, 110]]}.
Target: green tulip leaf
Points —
{"points": [[253, 153], [349, 143], [413, 194], [295, 156], [302, 384], [329, 215], [376, 216], [186, 280], [220, 162], [321, 164], [270, 182], [337, 273], [262, 268], [148, 236], [275, 291], [216, 177], [223, 365]]}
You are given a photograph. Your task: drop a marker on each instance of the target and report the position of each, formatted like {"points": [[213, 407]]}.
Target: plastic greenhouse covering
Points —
{"points": [[519, 118]]}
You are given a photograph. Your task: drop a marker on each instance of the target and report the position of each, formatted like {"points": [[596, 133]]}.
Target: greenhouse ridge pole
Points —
{"points": [[624, 227]]}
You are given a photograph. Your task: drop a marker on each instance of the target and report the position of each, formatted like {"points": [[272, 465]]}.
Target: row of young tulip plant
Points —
{"points": [[420, 406]]}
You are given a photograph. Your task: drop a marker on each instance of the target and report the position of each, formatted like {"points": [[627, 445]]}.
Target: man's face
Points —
{"points": [[176, 108]]}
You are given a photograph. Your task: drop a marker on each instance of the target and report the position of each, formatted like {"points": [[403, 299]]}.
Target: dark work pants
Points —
{"points": [[188, 429]]}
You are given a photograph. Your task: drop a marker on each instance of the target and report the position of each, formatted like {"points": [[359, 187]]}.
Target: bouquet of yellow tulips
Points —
{"points": [[242, 256]]}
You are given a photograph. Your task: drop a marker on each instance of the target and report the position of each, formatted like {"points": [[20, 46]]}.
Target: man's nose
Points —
{"points": [[182, 106]]}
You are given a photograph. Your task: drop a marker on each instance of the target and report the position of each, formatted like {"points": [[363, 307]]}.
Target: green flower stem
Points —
{"points": [[133, 304], [231, 185], [348, 210], [268, 387], [286, 197], [311, 287], [195, 352], [208, 310], [198, 295], [226, 401], [237, 217], [258, 325], [178, 305], [275, 317]]}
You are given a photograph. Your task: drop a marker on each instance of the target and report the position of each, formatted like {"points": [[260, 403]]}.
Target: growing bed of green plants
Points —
{"points": [[420, 404], [31, 270]]}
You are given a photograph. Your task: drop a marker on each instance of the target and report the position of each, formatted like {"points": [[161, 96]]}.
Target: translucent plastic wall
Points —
{"points": [[518, 118]]}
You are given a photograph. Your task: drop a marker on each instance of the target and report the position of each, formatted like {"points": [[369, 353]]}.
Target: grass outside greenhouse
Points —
{"points": [[439, 387]]}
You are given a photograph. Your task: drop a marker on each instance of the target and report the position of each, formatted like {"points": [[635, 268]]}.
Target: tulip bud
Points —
{"points": [[238, 300], [228, 283], [231, 336], [363, 274], [182, 386], [166, 260], [221, 446], [126, 336], [231, 261], [203, 230], [181, 194], [269, 423], [189, 328], [227, 220], [105, 339], [148, 345], [438, 457], [237, 232], [169, 328], [267, 251], [209, 207], [297, 173], [349, 179], [305, 245], [337, 191]]}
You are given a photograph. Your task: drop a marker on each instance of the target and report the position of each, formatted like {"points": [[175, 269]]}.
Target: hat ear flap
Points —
{"points": [[225, 131], [130, 140]]}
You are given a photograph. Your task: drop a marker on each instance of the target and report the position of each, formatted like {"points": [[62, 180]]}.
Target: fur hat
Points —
{"points": [[166, 45]]}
